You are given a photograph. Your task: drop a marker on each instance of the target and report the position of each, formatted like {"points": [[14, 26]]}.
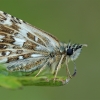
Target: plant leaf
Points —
{"points": [[9, 82]]}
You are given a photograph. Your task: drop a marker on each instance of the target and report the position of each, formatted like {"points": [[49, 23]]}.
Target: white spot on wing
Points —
{"points": [[0, 54], [20, 57], [36, 55], [1, 37], [19, 41], [7, 53], [36, 38], [4, 47]]}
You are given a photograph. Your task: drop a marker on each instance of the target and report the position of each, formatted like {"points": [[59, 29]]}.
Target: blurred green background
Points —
{"points": [[75, 20]]}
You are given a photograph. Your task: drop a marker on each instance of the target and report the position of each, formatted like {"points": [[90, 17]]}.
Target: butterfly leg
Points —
{"points": [[42, 68], [58, 67], [75, 70], [67, 69]]}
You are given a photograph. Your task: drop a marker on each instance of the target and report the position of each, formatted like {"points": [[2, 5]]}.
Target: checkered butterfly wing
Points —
{"points": [[24, 47]]}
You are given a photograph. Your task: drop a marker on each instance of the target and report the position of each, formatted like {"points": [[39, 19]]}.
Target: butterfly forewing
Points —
{"points": [[28, 30]]}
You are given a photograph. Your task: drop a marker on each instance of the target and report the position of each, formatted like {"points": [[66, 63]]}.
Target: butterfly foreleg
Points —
{"points": [[58, 67], [67, 69]]}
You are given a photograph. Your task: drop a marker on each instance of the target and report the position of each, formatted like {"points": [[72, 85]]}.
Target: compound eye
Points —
{"points": [[69, 52]]}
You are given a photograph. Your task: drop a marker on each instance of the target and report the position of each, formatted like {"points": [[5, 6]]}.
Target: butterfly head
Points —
{"points": [[74, 50]]}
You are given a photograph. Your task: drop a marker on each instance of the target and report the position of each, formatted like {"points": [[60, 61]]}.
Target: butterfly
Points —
{"points": [[25, 48]]}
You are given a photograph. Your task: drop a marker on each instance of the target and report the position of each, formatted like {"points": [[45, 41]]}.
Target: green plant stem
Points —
{"points": [[42, 81]]}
